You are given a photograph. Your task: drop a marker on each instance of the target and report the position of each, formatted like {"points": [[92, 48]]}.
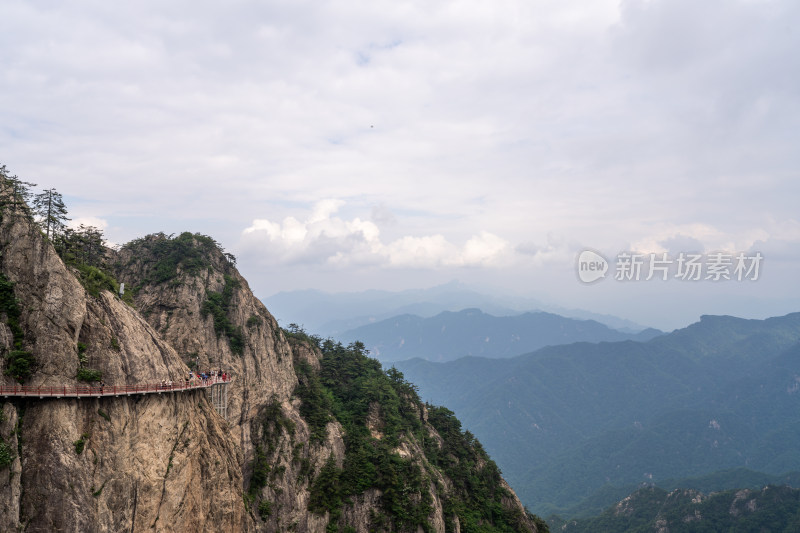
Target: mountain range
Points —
{"points": [[569, 422], [450, 335], [331, 314]]}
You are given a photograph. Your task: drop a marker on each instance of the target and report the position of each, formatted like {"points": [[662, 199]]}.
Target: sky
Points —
{"points": [[345, 146]]}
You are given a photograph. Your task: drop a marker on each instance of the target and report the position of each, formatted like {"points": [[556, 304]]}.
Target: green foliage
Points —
{"points": [[84, 250], [50, 210], [20, 363], [99, 491], [253, 321], [14, 194], [95, 280], [477, 483], [115, 344], [355, 390], [273, 422], [261, 470], [188, 253], [10, 306], [81, 443], [601, 415], [265, 509], [325, 492], [293, 331], [316, 401], [88, 375], [376, 409], [104, 415], [218, 305], [7, 454], [84, 245], [82, 357]]}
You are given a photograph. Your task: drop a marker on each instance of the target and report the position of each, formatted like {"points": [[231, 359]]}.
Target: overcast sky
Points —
{"points": [[350, 145]]}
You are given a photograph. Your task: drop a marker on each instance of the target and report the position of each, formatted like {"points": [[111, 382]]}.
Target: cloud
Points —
{"points": [[557, 248], [485, 126], [699, 238], [324, 238], [96, 222]]}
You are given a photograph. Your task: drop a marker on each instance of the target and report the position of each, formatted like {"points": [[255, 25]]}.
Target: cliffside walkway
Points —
{"points": [[217, 385]]}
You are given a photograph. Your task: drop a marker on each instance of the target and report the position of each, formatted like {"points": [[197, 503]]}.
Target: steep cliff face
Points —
{"points": [[316, 437], [112, 464], [192, 294]]}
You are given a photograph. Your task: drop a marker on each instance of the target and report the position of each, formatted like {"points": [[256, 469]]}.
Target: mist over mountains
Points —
{"points": [[332, 314], [566, 422], [450, 335]]}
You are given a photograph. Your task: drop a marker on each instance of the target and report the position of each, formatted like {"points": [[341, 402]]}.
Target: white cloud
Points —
{"points": [[707, 238], [96, 222], [328, 239], [485, 126]]}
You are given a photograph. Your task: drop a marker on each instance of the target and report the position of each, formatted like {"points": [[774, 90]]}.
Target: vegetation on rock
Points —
{"points": [[19, 362], [218, 305], [188, 253], [381, 413]]}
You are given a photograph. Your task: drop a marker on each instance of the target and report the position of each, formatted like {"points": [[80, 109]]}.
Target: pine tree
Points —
{"points": [[92, 245], [86, 244], [14, 192], [52, 213]]}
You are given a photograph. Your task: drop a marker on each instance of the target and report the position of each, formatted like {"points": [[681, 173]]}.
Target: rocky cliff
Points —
{"points": [[317, 436], [163, 462]]}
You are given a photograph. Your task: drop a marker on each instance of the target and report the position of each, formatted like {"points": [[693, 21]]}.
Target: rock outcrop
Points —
{"points": [[169, 462], [114, 464]]}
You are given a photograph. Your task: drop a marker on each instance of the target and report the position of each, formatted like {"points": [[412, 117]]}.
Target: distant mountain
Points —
{"points": [[730, 479], [330, 314], [565, 422], [769, 509], [450, 335]]}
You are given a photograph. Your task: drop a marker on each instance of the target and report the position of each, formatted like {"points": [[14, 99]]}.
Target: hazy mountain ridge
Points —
{"points": [[315, 309], [471, 332], [685, 403]]}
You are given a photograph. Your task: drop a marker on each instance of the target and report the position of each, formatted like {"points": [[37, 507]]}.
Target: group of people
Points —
{"points": [[203, 378], [207, 377]]}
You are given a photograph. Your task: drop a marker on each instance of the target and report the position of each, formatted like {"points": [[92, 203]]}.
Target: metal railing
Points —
{"points": [[94, 391]]}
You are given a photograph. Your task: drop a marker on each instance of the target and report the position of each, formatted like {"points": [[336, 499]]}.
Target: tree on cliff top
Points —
{"points": [[14, 192], [50, 209]]}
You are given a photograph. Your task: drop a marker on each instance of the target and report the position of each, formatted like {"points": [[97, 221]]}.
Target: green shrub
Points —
{"points": [[88, 375], [218, 305], [82, 353], [188, 253], [104, 415], [99, 491], [81, 443], [20, 365], [325, 491], [95, 280], [7, 454], [261, 470], [20, 362], [265, 509], [10, 306]]}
